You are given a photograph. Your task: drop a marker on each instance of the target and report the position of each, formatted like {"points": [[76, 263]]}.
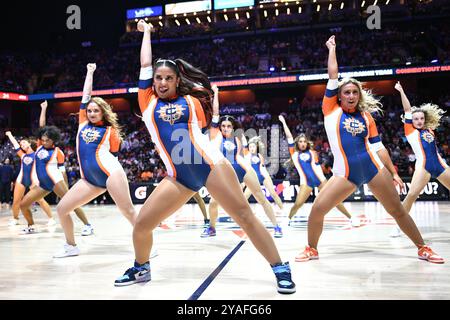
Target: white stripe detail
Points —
{"points": [[331, 128], [148, 117], [332, 84], [146, 73], [202, 140]]}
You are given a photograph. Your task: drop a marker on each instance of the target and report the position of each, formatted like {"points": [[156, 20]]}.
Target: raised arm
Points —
{"points": [[330, 100], [146, 48], [405, 102], [332, 60], [42, 116], [87, 91], [216, 114], [13, 140], [286, 129], [145, 93], [289, 136]]}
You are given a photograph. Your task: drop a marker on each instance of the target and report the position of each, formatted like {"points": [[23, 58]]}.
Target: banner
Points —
{"points": [[144, 12], [287, 190]]}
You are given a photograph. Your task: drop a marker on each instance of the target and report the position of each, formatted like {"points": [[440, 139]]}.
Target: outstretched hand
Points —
{"points": [[399, 182], [281, 118], [331, 43], [44, 104], [215, 89], [143, 26], [398, 86], [8, 133], [91, 67]]}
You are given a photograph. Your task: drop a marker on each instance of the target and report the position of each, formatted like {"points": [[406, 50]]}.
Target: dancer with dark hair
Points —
{"points": [[175, 101]]}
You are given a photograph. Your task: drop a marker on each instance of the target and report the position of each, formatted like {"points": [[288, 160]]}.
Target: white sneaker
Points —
{"points": [[153, 253], [355, 221], [396, 232], [51, 222], [87, 230], [67, 251], [28, 230], [13, 222]]}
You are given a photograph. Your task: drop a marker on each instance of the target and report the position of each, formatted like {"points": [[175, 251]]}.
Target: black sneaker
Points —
{"points": [[284, 280], [137, 273]]}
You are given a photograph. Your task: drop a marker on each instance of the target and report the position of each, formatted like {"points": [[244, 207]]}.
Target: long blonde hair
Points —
{"points": [[309, 145], [109, 116], [367, 101], [432, 112]]}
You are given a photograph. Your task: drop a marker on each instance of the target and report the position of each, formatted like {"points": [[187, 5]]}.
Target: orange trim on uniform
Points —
{"points": [[373, 132], [145, 96], [114, 141], [409, 128], [20, 153], [315, 163], [200, 113], [82, 116], [329, 105], [159, 138], [421, 148], [98, 149], [338, 134], [292, 150], [191, 134]]}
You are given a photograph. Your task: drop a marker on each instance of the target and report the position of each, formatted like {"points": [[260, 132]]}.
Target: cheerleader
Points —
{"points": [[306, 161], [420, 125], [177, 97]]}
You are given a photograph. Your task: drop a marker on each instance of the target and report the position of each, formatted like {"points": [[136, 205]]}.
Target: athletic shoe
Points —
{"points": [[278, 232], [308, 254], [396, 232], [355, 221], [208, 232], [67, 251], [28, 230], [51, 222], [13, 222], [87, 230], [137, 273], [284, 279], [425, 253]]}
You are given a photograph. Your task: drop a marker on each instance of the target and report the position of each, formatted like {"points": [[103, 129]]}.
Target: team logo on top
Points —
{"points": [[171, 112], [27, 161], [354, 126], [305, 156], [90, 135], [42, 154], [427, 136], [255, 159], [229, 146]]}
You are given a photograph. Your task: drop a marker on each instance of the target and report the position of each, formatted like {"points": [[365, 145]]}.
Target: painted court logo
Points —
{"points": [[428, 137], [171, 113], [354, 126], [90, 135]]}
